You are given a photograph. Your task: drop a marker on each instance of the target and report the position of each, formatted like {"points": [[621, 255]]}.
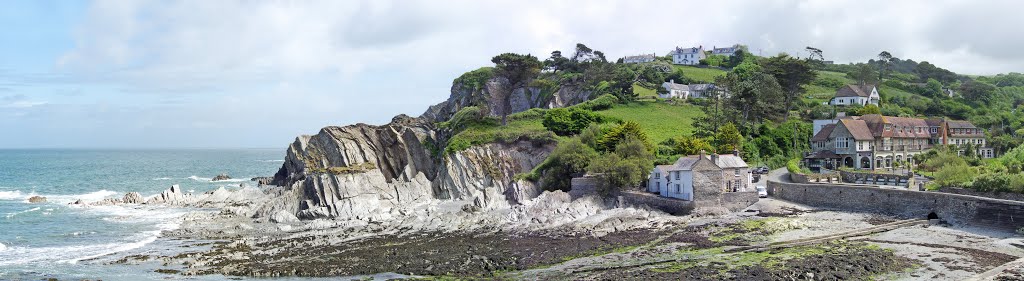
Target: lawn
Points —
{"points": [[704, 75], [660, 120], [643, 92]]}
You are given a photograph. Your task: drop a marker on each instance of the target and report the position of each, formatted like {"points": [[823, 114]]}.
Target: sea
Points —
{"points": [[71, 242]]}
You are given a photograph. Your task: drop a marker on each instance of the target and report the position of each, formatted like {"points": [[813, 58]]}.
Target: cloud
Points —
{"points": [[18, 101], [149, 72]]}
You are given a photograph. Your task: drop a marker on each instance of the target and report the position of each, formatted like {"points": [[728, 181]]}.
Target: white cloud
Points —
{"points": [[279, 68]]}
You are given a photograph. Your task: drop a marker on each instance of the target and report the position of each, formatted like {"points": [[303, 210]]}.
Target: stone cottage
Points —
{"points": [[698, 177]]}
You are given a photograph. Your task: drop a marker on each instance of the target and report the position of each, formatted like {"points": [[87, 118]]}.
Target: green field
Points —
{"points": [[660, 120], [704, 75], [643, 92]]}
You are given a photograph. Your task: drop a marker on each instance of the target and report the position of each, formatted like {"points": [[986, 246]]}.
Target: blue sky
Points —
{"points": [[156, 74]]}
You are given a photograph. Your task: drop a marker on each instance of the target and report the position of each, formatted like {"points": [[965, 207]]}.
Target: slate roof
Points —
{"points": [[902, 127], [824, 133], [858, 129], [730, 161], [701, 87], [855, 91], [960, 124], [725, 51], [691, 50], [823, 154], [647, 57], [677, 87], [685, 163]]}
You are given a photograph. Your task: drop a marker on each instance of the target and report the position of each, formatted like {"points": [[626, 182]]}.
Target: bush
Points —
{"points": [[571, 121], [828, 82], [627, 167], [570, 159], [794, 166], [625, 130], [602, 102], [955, 175], [992, 183], [475, 79]]}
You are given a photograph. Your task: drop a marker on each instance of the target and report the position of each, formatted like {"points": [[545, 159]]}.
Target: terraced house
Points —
{"points": [[875, 141]]}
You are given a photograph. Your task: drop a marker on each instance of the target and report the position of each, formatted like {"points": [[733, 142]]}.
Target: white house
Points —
{"points": [[727, 51], [688, 56], [674, 91], [639, 58], [705, 173], [856, 94]]}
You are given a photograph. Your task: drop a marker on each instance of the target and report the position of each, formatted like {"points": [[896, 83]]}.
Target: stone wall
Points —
{"points": [[996, 195], [737, 201], [806, 178], [953, 208], [582, 186], [876, 178], [668, 205]]}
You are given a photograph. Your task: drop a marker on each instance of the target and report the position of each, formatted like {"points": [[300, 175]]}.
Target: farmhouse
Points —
{"points": [[688, 56], [727, 51], [639, 58], [695, 175], [856, 94], [684, 91]]}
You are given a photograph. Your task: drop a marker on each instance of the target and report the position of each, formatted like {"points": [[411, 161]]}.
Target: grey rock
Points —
{"points": [[283, 216], [37, 199], [221, 177], [132, 198]]}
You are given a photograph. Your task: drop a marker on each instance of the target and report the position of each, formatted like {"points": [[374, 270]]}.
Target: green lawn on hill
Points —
{"points": [[660, 120], [703, 75], [643, 92]]}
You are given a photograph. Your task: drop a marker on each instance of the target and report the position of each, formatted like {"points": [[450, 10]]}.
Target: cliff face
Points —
{"points": [[377, 172], [522, 99]]}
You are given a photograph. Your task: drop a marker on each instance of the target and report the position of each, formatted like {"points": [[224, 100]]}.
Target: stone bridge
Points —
{"points": [[953, 208]]}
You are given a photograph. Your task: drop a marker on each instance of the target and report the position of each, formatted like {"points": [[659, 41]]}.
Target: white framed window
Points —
{"points": [[737, 172], [678, 190], [677, 175]]}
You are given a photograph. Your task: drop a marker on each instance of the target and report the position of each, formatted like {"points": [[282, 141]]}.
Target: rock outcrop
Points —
{"points": [[379, 172], [37, 199], [221, 177], [133, 198], [522, 99]]}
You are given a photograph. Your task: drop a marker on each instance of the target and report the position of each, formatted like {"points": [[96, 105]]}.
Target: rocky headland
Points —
{"points": [[367, 199]]}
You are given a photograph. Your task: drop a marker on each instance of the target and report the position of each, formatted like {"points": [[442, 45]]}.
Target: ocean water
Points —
{"points": [[54, 239]]}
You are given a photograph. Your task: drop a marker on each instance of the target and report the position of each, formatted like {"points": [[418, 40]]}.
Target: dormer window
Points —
{"points": [[888, 127]]}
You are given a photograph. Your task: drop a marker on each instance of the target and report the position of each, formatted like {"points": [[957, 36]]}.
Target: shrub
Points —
{"points": [[571, 121], [570, 159], [955, 175], [794, 166], [828, 82], [602, 102], [992, 182], [627, 167], [475, 79], [627, 129]]}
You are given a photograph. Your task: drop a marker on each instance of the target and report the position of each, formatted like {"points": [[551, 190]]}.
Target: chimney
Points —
{"points": [[702, 153], [714, 158], [672, 81], [736, 152]]}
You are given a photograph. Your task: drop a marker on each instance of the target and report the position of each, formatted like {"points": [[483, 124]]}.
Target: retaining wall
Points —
{"points": [[668, 205], [953, 208], [734, 201]]}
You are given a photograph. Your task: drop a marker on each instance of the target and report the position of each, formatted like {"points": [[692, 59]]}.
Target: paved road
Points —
{"points": [[778, 175]]}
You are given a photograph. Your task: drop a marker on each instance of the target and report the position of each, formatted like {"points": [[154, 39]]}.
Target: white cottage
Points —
{"points": [[719, 173], [674, 91], [856, 94], [688, 56], [727, 51], [639, 58]]}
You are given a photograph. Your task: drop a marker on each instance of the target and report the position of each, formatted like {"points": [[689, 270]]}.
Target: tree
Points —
{"points": [[869, 109], [570, 159], [864, 74], [556, 62], [791, 74], [689, 145], [627, 167], [627, 129], [979, 92], [756, 97], [885, 62], [570, 121], [728, 138], [518, 70]]}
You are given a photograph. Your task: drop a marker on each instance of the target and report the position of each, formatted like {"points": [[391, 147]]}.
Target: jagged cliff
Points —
{"points": [[377, 172]]}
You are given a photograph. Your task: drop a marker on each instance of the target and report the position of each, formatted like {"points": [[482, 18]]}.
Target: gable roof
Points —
{"points": [[674, 86], [727, 50], [855, 91], [730, 161], [857, 128], [691, 50], [823, 134], [640, 57], [902, 127], [960, 124]]}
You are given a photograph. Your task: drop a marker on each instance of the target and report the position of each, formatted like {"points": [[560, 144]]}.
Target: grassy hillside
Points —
{"points": [[660, 120], [704, 75], [644, 92]]}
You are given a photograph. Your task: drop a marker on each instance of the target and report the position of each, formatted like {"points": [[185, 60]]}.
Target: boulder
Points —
{"points": [[221, 177], [172, 196], [37, 199], [107, 202], [77, 202], [132, 198], [283, 216]]}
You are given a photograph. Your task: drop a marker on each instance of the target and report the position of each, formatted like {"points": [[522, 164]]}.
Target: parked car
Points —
{"points": [[762, 191], [756, 177], [761, 170]]}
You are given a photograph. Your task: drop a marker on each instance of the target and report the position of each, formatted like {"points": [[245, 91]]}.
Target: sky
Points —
{"points": [[247, 74]]}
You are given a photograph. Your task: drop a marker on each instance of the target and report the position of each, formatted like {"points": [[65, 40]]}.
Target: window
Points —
{"points": [[678, 190], [657, 185], [677, 175], [934, 130], [737, 172], [888, 127], [657, 175]]}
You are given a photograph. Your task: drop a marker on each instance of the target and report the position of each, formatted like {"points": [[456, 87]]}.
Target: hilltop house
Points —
{"points": [[727, 51], [639, 58], [684, 91], [874, 141], [700, 174], [688, 56], [856, 94]]}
